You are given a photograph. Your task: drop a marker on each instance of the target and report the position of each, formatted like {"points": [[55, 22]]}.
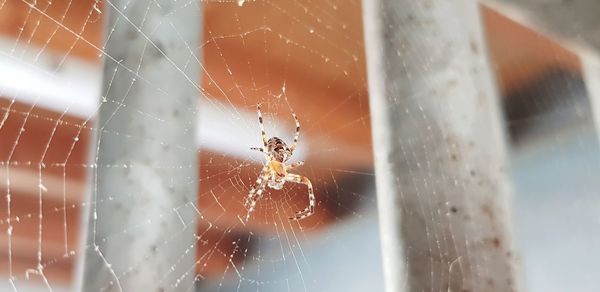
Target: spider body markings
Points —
{"points": [[275, 173]]}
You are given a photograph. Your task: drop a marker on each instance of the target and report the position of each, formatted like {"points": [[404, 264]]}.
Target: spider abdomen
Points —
{"points": [[278, 149]]}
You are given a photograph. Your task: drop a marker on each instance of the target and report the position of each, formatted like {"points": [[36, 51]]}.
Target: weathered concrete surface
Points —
{"points": [[439, 149], [141, 234]]}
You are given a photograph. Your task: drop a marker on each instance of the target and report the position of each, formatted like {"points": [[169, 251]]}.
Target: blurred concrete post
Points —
{"points": [[575, 23], [439, 148], [590, 64], [142, 229]]}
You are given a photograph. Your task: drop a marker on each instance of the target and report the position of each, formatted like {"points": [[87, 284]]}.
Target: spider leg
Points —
{"points": [[261, 180], [256, 192], [294, 165], [291, 177], [251, 201], [297, 134], [262, 128]]}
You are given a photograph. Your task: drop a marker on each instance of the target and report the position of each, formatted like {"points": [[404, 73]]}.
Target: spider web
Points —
{"points": [[307, 55], [303, 55]]}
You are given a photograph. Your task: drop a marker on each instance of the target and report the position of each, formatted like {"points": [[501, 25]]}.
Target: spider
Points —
{"points": [[275, 173]]}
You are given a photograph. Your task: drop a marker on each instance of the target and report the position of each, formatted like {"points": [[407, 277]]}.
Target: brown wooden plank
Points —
{"points": [[519, 54], [58, 26]]}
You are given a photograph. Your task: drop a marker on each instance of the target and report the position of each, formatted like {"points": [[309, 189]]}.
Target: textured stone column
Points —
{"points": [[439, 148], [141, 233]]}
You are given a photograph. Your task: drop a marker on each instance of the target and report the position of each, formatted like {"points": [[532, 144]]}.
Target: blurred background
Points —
{"points": [[310, 54]]}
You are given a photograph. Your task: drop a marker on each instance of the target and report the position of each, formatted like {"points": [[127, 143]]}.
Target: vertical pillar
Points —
{"points": [[590, 64], [440, 156], [575, 24], [142, 230]]}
